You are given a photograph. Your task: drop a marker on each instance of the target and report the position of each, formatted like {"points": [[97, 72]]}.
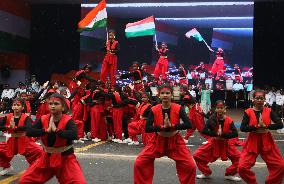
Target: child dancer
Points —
{"points": [[137, 125], [258, 122], [221, 128], [57, 131], [162, 64], [164, 119], [16, 124]]}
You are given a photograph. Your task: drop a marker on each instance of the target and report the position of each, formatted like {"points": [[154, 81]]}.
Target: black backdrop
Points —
{"points": [[55, 44], [268, 38]]}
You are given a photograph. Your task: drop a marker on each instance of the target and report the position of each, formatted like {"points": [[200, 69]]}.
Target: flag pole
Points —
{"points": [[207, 45], [107, 33], [156, 43], [155, 37]]}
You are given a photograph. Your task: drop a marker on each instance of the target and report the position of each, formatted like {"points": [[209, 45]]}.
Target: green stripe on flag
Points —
{"points": [[198, 37], [140, 33], [101, 23]]}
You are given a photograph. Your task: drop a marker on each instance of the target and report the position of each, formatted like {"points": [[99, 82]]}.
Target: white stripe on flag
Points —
{"points": [[100, 16], [141, 27]]}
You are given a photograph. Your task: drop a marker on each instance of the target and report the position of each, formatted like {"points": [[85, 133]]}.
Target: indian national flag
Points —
{"points": [[195, 34], [97, 17], [141, 28]]}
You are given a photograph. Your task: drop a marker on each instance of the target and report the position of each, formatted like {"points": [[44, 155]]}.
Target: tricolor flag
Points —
{"points": [[141, 28], [195, 34], [97, 17]]}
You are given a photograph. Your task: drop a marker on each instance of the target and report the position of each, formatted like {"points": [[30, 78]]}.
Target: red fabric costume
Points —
{"points": [[162, 65], [137, 125], [42, 110], [98, 123], [78, 95], [173, 147], [218, 64], [218, 148], [18, 143], [197, 120], [53, 163], [263, 144], [109, 65], [137, 76]]}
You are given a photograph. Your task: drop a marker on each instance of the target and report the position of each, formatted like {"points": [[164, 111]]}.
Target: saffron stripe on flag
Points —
{"points": [[96, 14], [141, 27], [146, 20]]}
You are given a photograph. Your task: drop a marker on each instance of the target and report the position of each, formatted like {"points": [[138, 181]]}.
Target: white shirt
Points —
{"points": [[192, 93], [270, 98], [279, 99], [35, 86], [238, 87], [8, 93], [189, 76], [210, 82], [19, 91], [251, 94]]}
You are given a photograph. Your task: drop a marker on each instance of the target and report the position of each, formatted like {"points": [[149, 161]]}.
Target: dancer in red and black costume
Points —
{"points": [[137, 125], [237, 73], [137, 76], [181, 74], [98, 120], [196, 116], [43, 107], [162, 64], [221, 129], [218, 65], [83, 76], [258, 122], [145, 72], [164, 119], [109, 65], [78, 83], [28, 109], [80, 116], [57, 131], [202, 73], [16, 124], [118, 102]]}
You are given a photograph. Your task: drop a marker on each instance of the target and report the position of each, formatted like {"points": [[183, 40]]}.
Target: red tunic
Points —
{"points": [[54, 159], [13, 143], [163, 143], [220, 146], [255, 140], [111, 58]]}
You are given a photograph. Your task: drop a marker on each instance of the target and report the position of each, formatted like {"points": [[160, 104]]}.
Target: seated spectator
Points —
{"points": [[238, 86]]}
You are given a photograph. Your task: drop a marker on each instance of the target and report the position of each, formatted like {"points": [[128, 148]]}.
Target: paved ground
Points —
{"points": [[112, 163]]}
